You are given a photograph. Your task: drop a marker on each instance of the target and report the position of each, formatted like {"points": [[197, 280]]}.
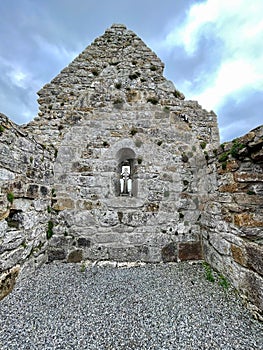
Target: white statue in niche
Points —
{"points": [[125, 181]]}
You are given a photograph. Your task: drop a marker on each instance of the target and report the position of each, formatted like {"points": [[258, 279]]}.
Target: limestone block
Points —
{"points": [[12, 240], [153, 255], [135, 218], [108, 218], [32, 191], [77, 218], [22, 204], [255, 257], [3, 228], [246, 177], [246, 219], [190, 251], [220, 244], [169, 252], [252, 286], [6, 175], [239, 254], [8, 280], [96, 252], [63, 204], [56, 254], [75, 256], [41, 205], [12, 258], [4, 213]]}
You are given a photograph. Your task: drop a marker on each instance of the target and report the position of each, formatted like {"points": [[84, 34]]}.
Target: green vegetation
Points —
{"points": [[203, 144], [223, 282], [208, 272], [166, 109], [118, 85], [2, 129], [50, 229], [153, 68], [10, 197], [82, 268], [250, 192], [24, 245], [236, 147], [224, 164], [223, 157]]}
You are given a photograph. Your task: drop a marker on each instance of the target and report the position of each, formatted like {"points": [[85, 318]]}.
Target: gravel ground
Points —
{"points": [[166, 306]]}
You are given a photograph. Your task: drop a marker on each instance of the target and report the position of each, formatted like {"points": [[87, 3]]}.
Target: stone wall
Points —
{"points": [[113, 104], [233, 220], [25, 174], [161, 221]]}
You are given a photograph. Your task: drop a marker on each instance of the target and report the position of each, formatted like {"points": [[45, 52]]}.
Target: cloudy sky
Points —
{"points": [[212, 50]]}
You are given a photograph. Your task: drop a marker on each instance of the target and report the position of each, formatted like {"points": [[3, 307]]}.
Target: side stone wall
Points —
{"points": [[25, 176], [233, 219]]}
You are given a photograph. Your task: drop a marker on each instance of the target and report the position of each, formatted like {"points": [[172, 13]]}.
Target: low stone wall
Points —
{"points": [[233, 219], [25, 175]]}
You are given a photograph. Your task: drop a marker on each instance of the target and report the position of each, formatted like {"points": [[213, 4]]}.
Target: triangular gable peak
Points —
{"points": [[116, 67]]}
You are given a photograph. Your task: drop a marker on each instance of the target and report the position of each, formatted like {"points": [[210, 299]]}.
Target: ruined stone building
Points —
{"points": [[119, 166]]}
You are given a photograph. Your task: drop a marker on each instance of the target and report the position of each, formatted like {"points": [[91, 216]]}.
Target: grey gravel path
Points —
{"points": [[152, 307]]}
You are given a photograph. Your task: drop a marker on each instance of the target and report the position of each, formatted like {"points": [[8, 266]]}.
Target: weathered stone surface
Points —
{"points": [[56, 254], [252, 286], [75, 256], [190, 251], [8, 280], [254, 257], [169, 252], [239, 255]]}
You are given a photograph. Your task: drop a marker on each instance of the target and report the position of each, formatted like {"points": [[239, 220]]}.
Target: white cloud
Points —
{"points": [[238, 24], [232, 76], [18, 77], [55, 52]]}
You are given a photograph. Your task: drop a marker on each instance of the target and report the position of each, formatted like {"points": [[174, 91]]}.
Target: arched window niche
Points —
{"points": [[127, 182]]}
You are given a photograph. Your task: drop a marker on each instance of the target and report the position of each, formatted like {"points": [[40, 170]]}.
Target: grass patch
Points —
{"points": [[50, 229], [223, 282], [203, 144], [208, 272], [10, 197]]}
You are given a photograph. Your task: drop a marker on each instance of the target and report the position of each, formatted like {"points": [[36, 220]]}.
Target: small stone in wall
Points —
{"points": [[75, 256], [169, 252], [8, 280], [190, 251]]}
